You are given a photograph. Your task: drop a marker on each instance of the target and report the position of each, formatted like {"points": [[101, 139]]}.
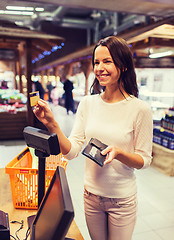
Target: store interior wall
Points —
{"points": [[96, 23]]}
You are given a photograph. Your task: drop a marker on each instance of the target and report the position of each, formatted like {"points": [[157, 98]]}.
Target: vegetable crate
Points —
{"points": [[24, 178]]}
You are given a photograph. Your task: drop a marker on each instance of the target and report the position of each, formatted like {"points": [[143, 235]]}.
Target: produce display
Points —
{"points": [[12, 101]]}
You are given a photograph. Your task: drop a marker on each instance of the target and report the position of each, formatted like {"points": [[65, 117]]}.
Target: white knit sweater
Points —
{"points": [[126, 124]]}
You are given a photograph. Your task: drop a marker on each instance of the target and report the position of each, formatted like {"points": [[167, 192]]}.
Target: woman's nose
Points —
{"points": [[100, 66]]}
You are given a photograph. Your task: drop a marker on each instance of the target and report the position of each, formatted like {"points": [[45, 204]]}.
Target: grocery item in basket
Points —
{"points": [[34, 158]]}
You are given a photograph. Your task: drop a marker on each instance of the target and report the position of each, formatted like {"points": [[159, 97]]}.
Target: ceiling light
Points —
{"points": [[15, 12], [39, 9], [151, 50], [19, 23], [162, 54], [19, 8]]}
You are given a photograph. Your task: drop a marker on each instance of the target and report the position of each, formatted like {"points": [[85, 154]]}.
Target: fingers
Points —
{"points": [[105, 151], [43, 101], [108, 159], [110, 153], [41, 105]]}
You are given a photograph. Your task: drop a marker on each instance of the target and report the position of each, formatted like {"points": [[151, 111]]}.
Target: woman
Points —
{"points": [[116, 117]]}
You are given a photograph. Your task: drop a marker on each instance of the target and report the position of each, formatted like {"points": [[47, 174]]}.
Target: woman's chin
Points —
{"points": [[103, 84]]}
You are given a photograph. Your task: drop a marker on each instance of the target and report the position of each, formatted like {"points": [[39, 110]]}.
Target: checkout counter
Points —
{"points": [[6, 205]]}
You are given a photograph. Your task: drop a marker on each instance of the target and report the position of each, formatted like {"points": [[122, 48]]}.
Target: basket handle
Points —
{"points": [[22, 154]]}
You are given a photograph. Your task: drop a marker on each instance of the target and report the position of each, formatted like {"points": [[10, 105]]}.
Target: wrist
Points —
{"points": [[52, 126], [120, 153]]}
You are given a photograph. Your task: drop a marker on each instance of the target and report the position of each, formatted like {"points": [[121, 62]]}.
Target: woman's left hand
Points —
{"points": [[130, 159], [111, 153]]}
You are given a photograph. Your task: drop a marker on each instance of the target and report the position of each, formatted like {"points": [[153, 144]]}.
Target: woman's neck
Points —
{"points": [[112, 96]]}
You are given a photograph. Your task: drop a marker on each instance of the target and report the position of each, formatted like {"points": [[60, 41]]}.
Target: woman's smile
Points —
{"points": [[102, 77]]}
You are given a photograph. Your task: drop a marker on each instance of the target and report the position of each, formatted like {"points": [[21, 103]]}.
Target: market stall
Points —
{"points": [[13, 114]]}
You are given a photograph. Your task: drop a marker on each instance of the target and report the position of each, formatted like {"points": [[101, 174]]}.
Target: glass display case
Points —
{"points": [[156, 86]]}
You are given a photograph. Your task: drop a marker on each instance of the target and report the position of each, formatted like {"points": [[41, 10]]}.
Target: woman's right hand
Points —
{"points": [[44, 113]]}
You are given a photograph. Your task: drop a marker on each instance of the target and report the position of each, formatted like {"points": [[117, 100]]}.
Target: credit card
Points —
{"points": [[34, 98]]}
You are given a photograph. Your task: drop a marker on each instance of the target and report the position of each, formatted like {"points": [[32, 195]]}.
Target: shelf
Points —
{"points": [[163, 159], [12, 125]]}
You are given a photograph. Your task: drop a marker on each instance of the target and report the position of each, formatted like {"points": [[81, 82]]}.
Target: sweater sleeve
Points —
{"points": [[77, 136], [143, 135]]}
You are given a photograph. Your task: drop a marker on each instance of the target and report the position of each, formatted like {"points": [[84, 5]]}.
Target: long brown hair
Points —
{"points": [[123, 59]]}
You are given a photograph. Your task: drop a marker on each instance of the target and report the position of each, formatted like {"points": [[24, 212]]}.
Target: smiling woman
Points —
{"points": [[117, 118]]}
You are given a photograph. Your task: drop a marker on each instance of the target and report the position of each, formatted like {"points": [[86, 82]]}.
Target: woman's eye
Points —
{"points": [[104, 62]]}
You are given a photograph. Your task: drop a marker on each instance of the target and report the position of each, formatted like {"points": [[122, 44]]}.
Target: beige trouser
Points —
{"points": [[110, 218]]}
